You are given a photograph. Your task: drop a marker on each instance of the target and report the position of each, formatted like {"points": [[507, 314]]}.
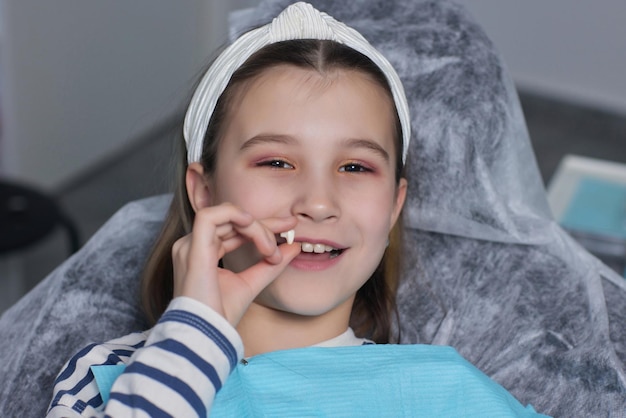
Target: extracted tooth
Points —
{"points": [[289, 236], [319, 248], [307, 247]]}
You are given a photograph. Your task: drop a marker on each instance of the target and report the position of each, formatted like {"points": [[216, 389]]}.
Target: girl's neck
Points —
{"points": [[264, 329]]}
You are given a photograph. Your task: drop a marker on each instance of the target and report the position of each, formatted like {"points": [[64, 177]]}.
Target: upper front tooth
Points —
{"points": [[309, 247], [319, 248]]}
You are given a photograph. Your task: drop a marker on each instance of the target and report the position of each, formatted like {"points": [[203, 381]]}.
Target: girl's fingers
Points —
{"points": [[221, 217], [190, 279], [221, 228], [263, 234], [264, 240], [257, 278], [260, 275], [275, 225]]}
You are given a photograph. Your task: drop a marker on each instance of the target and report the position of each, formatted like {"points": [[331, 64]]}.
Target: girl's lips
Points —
{"points": [[315, 254], [316, 261]]}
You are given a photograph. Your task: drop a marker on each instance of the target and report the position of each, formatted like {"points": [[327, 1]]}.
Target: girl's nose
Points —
{"points": [[316, 201]]}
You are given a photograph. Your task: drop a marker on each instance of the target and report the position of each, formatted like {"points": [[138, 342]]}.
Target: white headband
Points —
{"points": [[298, 21]]}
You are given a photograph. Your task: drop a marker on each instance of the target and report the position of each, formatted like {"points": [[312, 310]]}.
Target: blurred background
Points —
{"points": [[91, 94]]}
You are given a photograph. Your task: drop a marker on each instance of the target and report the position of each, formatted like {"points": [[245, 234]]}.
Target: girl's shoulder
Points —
{"points": [[116, 351], [76, 380]]}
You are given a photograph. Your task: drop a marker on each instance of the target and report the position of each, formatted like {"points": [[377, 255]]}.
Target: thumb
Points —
{"points": [[260, 275]]}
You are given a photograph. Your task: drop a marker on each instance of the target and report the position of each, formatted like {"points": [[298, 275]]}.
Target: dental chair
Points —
{"points": [[486, 269]]}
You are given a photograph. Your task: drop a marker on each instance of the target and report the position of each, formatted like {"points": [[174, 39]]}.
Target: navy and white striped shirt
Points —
{"points": [[174, 369]]}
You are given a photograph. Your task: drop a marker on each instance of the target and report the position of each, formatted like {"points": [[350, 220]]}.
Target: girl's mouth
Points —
{"points": [[311, 260], [311, 251], [308, 247]]}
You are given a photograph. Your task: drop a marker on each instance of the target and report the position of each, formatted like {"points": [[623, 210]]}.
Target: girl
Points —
{"points": [[284, 234]]}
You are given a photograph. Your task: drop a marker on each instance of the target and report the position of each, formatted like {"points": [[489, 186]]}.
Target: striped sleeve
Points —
{"points": [[176, 371]]}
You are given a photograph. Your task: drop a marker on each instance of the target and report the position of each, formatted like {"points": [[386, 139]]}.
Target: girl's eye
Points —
{"points": [[354, 168], [275, 164]]}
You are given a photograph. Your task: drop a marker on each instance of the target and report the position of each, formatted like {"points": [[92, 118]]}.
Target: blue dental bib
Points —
{"points": [[369, 380]]}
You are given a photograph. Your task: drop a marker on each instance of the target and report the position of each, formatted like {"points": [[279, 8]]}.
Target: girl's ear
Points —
{"points": [[399, 203], [198, 187]]}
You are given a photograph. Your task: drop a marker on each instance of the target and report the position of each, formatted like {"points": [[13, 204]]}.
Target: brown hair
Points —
{"points": [[374, 305]]}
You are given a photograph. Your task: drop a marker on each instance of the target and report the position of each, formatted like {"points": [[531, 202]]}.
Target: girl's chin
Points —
{"points": [[306, 309]]}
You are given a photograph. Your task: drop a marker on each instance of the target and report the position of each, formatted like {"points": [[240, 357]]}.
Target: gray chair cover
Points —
{"points": [[487, 270]]}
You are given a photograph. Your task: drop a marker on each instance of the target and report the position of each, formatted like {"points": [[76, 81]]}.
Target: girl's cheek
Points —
{"points": [[261, 199]]}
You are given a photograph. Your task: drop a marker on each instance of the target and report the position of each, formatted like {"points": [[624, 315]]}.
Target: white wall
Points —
{"points": [[82, 78], [575, 50]]}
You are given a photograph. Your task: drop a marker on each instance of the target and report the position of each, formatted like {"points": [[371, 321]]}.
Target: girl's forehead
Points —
{"points": [[313, 79], [295, 84]]}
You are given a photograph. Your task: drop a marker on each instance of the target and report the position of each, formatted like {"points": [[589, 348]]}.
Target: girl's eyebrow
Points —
{"points": [[265, 139], [287, 139], [370, 145]]}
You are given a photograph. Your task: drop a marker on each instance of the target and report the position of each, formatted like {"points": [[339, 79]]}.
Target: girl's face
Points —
{"points": [[321, 148]]}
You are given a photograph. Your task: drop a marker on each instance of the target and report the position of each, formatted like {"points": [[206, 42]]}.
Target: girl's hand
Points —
{"points": [[218, 230]]}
